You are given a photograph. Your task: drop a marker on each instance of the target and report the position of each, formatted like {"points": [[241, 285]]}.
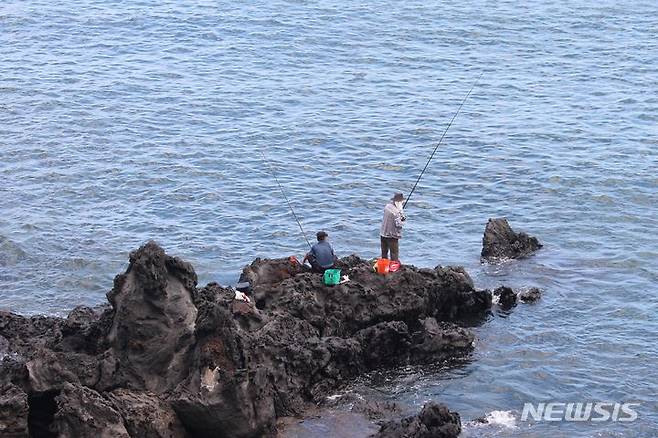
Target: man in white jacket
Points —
{"points": [[391, 230]]}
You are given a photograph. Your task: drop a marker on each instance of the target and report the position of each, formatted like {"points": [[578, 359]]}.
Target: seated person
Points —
{"points": [[321, 257]]}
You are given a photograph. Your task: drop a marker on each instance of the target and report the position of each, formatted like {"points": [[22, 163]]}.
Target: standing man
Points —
{"points": [[321, 257], [391, 230]]}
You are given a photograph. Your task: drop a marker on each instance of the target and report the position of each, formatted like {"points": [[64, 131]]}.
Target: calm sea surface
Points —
{"points": [[127, 121]]}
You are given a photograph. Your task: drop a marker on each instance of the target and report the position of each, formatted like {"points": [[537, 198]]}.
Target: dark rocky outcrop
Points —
{"points": [[83, 412], [13, 411], [507, 298], [530, 295], [146, 414], [500, 242], [152, 331], [434, 421], [169, 359]]}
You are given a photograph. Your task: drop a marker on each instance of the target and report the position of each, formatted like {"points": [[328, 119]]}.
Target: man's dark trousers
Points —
{"points": [[390, 244]]}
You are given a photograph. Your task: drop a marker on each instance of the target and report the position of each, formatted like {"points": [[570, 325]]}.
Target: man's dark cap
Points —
{"points": [[321, 235], [398, 197]]}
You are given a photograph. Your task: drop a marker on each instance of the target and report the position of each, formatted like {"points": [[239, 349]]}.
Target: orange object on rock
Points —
{"points": [[383, 266]]}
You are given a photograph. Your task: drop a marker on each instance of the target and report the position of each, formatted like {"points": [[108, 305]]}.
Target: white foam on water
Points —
{"points": [[501, 418]]}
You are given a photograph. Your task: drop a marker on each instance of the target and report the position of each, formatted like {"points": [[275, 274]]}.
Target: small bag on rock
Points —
{"points": [[331, 277]]}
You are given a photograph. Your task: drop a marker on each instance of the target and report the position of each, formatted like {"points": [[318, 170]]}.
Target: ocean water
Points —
{"points": [[122, 122]]}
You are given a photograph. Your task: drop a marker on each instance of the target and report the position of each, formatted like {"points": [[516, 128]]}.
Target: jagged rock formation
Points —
{"points": [[168, 359], [13, 411], [501, 242], [434, 421]]}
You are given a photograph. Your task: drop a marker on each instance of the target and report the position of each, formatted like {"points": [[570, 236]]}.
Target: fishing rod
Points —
{"points": [[441, 140], [286, 198]]}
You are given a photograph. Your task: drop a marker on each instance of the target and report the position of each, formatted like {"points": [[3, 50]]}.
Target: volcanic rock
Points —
{"points": [[434, 421], [377, 410], [506, 297], [530, 295], [146, 414], [83, 412], [169, 359], [501, 242], [152, 330], [13, 412]]}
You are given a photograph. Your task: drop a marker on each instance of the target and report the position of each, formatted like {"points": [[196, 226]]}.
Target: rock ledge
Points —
{"points": [[166, 358]]}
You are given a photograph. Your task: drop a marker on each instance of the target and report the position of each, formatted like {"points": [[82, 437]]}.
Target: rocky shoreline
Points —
{"points": [[167, 358]]}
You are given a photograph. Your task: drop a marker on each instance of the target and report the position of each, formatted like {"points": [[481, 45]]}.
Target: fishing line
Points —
{"points": [[285, 197], [441, 140]]}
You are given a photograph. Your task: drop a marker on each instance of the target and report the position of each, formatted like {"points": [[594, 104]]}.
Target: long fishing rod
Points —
{"points": [[441, 140], [286, 198]]}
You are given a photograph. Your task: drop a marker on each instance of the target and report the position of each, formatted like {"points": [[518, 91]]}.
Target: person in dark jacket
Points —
{"points": [[321, 257], [391, 229]]}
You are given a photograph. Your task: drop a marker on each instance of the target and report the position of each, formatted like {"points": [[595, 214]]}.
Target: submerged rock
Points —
{"points": [[377, 410], [434, 421], [501, 242], [168, 359], [505, 297], [530, 295]]}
